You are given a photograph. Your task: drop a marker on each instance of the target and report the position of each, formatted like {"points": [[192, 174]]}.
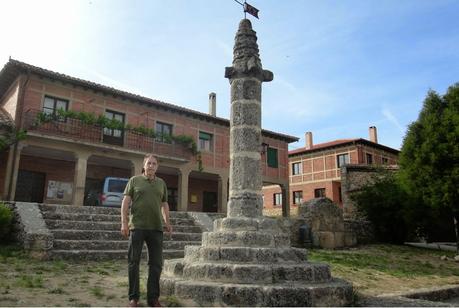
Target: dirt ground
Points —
{"points": [[30, 282]]}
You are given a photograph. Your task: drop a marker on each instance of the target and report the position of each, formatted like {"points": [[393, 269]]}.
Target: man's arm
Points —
{"points": [[165, 212], [124, 215]]}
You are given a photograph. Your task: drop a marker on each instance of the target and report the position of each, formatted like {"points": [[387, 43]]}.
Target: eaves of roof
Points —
{"points": [[14, 68], [339, 144]]}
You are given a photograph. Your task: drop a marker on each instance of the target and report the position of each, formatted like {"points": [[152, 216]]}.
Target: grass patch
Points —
{"points": [[29, 282], [171, 301], [391, 260], [97, 292]]}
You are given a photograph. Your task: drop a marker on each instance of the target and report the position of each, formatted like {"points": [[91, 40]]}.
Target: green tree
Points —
{"points": [[10, 135], [429, 159]]}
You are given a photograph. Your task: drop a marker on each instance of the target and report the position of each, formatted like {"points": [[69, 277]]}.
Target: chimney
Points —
{"points": [[212, 104], [373, 134], [308, 140]]}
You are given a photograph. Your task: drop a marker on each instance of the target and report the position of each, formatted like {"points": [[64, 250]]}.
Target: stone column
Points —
{"points": [[285, 200], [136, 167], [79, 180], [245, 77], [182, 205], [222, 193], [14, 173], [247, 259]]}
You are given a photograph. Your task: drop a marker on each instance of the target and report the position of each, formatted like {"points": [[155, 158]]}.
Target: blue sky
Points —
{"points": [[339, 66]]}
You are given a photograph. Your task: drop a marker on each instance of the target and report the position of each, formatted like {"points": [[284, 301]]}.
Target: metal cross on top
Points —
{"points": [[248, 9]]}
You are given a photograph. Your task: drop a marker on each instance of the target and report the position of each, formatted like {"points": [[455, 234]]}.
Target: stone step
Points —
{"points": [[105, 254], [245, 254], [83, 225], [245, 239], [80, 216], [113, 245], [80, 209], [102, 225], [96, 210], [104, 217], [70, 234], [333, 293], [257, 273]]}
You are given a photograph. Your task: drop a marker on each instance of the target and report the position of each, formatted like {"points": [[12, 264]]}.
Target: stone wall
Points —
{"points": [[328, 228], [353, 178]]}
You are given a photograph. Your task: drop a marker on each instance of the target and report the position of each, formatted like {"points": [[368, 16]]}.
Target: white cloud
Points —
{"points": [[392, 119]]}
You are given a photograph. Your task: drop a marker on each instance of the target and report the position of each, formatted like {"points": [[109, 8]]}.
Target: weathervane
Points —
{"points": [[248, 9]]}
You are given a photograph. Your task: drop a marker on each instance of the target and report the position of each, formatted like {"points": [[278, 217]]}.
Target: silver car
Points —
{"points": [[112, 192]]}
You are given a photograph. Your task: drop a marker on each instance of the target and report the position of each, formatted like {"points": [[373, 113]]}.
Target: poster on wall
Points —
{"points": [[59, 191]]}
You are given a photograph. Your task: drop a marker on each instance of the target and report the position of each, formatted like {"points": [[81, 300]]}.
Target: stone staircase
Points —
{"points": [[93, 233]]}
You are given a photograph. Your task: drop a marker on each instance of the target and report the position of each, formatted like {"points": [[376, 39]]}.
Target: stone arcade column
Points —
{"points": [[247, 260], [79, 181]]}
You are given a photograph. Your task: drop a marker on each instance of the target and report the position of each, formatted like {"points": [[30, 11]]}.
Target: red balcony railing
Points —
{"points": [[76, 130]]}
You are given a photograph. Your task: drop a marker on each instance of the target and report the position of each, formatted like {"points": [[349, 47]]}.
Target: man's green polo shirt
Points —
{"points": [[147, 196]]}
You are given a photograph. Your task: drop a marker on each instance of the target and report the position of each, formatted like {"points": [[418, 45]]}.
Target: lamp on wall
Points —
{"points": [[264, 148]]}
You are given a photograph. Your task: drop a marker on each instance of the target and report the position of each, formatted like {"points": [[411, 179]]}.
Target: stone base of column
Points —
{"points": [[249, 262], [332, 293]]}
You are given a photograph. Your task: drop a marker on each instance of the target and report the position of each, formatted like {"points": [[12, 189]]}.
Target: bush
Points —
{"points": [[397, 216], [6, 220], [382, 203]]}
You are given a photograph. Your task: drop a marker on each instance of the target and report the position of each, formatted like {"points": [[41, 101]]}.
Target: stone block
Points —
{"points": [[239, 223], [243, 174], [327, 239], [283, 273], [245, 89], [192, 253], [202, 293], [209, 253], [173, 268], [321, 272], [287, 297], [281, 240], [239, 238], [246, 113], [250, 205], [237, 254], [242, 295], [338, 293], [245, 139], [248, 273], [339, 239], [350, 239]]}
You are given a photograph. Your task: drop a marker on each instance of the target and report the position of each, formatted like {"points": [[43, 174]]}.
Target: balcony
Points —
{"points": [[77, 131]]}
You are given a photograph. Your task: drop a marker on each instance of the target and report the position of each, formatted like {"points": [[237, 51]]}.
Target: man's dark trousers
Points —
{"points": [[154, 241]]}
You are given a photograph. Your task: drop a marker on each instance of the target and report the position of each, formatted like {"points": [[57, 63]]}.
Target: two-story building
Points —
{"points": [[314, 170], [70, 149]]}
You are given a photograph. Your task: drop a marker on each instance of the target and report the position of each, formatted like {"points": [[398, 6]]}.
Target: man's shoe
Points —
{"points": [[133, 303], [155, 303]]}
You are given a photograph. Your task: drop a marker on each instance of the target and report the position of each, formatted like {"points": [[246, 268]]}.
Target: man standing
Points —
{"points": [[147, 195]]}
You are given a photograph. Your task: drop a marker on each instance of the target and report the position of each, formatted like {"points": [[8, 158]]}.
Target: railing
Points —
{"points": [[76, 130]]}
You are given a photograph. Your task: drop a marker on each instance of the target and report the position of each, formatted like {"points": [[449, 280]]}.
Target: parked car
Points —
{"points": [[112, 192]]}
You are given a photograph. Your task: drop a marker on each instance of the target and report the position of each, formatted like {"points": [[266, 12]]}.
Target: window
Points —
{"points": [[342, 159], [112, 135], [319, 192], [205, 141], [272, 157], [163, 132], [277, 199], [297, 197], [369, 158], [296, 168], [51, 105], [385, 160]]}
